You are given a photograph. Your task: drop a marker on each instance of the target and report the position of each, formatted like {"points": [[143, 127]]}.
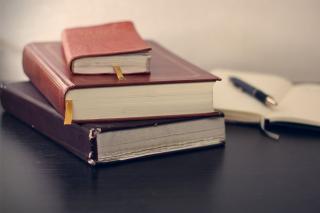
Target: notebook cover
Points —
{"points": [[77, 138], [102, 40], [44, 64]]}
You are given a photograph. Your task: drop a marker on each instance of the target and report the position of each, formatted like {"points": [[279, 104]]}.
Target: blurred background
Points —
{"points": [[275, 36]]}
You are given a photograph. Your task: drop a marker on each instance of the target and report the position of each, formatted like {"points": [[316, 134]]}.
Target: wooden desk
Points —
{"points": [[252, 173]]}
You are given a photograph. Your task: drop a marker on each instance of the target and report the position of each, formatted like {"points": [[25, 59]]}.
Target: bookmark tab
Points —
{"points": [[118, 71], [267, 132], [68, 112]]}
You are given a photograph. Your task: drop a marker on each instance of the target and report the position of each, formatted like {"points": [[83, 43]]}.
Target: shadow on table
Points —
{"points": [[288, 130], [47, 172]]}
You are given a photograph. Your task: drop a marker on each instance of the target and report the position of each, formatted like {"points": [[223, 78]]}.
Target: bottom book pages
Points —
{"points": [[113, 141]]}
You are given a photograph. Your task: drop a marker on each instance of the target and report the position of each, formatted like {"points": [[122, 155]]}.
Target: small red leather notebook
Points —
{"points": [[174, 88], [96, 49]]}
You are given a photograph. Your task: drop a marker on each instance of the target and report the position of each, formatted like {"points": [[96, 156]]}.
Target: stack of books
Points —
{"points": [[106, 95]]}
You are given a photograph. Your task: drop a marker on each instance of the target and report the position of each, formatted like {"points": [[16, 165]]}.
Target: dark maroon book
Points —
{"points": [[112, 141]]}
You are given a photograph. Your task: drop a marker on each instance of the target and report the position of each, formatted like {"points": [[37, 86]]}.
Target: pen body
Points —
{"points": [[247, 88]]}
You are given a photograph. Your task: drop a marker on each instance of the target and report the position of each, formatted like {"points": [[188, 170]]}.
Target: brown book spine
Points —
{"points": [[43, 76], [40, 116]]}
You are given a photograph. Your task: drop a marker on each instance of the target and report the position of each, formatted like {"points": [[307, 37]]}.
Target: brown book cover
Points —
{"points": [[44, 64], [102, 40], [80, 139]]}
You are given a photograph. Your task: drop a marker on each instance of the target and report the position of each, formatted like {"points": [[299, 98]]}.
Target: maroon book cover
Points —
{"points": [[45, 66]]}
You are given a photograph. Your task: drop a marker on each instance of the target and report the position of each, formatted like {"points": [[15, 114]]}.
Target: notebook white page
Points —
{"points": [[297, 103]]}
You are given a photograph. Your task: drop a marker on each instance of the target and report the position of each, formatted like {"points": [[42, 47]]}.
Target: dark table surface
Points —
{"points": [[252, 173]]}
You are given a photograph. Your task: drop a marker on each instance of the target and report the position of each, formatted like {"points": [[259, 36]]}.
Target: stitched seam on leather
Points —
{"points": [[41, 65], [52, 67]]}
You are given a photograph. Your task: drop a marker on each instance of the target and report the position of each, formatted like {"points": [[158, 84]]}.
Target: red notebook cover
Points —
{"points": [[102, 40], [44, 64]]}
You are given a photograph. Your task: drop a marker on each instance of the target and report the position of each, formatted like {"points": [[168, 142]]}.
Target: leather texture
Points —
{"points": [[102, 40], [40, 115], [44, 64]]}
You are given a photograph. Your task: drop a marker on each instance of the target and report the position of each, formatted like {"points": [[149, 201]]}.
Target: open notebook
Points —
{"points": [[297, 103]]}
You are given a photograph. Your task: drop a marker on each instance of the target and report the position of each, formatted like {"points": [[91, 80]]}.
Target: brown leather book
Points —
{"points": [[96, 49], [174, 88], [112, 141]]}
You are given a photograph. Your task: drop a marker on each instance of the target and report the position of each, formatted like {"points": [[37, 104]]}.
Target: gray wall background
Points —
{"points": [[276, 36]]}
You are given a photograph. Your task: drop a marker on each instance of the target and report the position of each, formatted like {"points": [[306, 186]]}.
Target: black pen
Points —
{"points": [[251, 90]]}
